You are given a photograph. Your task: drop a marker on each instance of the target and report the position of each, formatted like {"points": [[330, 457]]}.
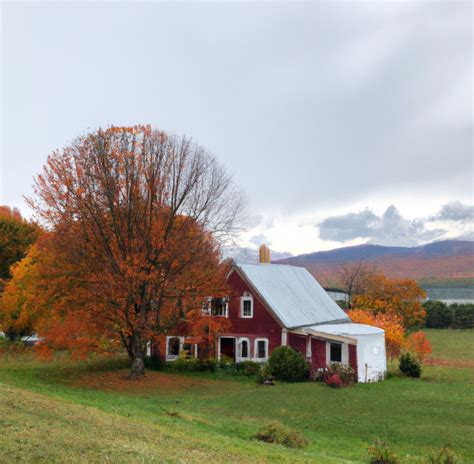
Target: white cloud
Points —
{"points": [[455, 211], [389, 229], [393, 229]]}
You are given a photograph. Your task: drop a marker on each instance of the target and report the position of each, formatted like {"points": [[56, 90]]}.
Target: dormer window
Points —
{"points": [[246, 306]]}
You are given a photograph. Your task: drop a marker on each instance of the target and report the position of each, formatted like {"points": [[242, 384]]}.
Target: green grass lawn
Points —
{"points": [[452, 344], [84, 412]]}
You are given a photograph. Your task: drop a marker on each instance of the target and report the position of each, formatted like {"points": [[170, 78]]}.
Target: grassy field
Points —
{"points": [[455, 345], [86, 412]]}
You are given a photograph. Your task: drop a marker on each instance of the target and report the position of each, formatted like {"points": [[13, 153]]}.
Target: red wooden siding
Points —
{"points": [[353, 357], [297, 342], [261, 325], [318, 351]]}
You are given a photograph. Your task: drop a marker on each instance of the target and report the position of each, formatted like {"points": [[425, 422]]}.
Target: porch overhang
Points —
{"points": [[305, 331]]}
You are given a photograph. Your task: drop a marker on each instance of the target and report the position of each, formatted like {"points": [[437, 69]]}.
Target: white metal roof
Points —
{"points": [[348, 329], [293, 294]]}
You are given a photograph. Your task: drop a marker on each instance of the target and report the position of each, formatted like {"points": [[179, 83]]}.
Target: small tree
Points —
{"points": [[410, 366], [419, 344]]}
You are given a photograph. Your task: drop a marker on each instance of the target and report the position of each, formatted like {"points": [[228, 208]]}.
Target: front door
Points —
{"points": [[227, 348]]}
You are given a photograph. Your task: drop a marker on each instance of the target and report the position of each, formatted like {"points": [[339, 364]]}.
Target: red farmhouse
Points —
{"points": [[274, 304]]}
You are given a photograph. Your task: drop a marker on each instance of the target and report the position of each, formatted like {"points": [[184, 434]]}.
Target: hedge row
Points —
{"points": [[439, 315]]}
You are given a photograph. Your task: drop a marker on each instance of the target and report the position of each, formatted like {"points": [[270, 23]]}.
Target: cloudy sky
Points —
{"points": [[344, 122]]}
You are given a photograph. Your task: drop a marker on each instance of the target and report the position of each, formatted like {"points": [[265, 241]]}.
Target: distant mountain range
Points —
{"points": [[446, 260]]}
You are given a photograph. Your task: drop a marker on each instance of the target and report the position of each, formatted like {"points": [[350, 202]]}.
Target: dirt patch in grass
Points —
{"points": [[449, 362], [158, 382]]}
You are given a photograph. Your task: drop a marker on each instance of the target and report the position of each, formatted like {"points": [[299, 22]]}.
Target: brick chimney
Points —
{"points": [[264, 254]]}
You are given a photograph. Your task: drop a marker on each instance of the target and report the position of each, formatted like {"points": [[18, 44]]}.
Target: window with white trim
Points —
{"points": [[219, 307], [261, 348], [173, 347], [244, 348], [246, 307], [335, 352]]}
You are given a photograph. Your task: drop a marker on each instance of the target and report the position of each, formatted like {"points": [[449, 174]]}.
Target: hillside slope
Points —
{"points": [[444, 260]]}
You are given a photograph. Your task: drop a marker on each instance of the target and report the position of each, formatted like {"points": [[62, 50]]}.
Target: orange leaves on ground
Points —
{"points": [[390, 323], [419, 344]]}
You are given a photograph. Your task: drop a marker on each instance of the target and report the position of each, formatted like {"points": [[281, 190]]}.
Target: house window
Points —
{"points": [[335, 352], [215, 307], [244, 348], [246, 306], [261, 348], [173, 346], [188, 350], [219, 307]]}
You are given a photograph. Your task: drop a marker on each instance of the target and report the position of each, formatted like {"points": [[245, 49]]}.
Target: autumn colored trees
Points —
{"points": [[394, 305], [17, 301], [400, 297], [391, 324], [135, 220], [352, 279], [16, 235]]}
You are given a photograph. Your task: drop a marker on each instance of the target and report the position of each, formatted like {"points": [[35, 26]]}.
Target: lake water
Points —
{"points": [[451, 295], [447, 295]]}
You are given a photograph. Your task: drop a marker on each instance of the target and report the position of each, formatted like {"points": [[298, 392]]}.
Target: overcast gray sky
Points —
{"points": [[327, 114]]}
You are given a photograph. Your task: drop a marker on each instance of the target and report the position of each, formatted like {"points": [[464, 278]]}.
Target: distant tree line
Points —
{"points": [[440, 315]]}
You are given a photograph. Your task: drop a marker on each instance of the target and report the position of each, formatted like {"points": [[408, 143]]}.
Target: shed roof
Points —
{"points": [[293, 294], [348, 329]]}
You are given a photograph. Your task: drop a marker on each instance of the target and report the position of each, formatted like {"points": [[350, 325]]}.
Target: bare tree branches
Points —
{"points": [[352, 277]]}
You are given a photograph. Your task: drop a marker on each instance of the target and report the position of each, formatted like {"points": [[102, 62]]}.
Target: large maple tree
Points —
{"points": [[136, 219]]}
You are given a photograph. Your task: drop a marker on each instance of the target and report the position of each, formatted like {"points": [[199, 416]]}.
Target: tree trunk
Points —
{"points": [[137, 368]]}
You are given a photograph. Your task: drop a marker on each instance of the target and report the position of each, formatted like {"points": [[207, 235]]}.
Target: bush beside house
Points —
{"points": [[288, 365]]}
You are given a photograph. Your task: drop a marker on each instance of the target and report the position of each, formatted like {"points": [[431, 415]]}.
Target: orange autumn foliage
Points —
{"points": [[419, 344], [397, 297], [390, 323], [136, 219], [17, 234], [18, 310], [37, 300]]}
